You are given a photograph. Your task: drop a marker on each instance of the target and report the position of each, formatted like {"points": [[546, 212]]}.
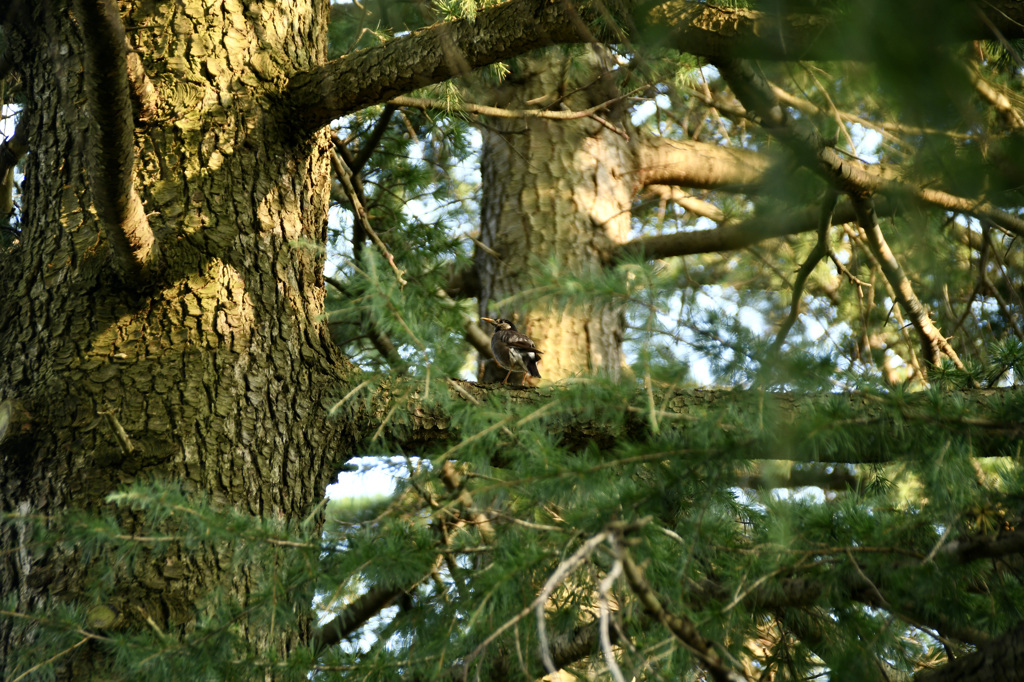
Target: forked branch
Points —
{"points": [[810, 149], [933, 342]]}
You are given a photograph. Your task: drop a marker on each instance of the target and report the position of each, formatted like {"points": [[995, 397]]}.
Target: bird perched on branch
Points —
{"points": [[512, 349]]}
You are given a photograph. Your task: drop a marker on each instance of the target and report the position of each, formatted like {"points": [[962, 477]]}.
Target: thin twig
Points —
{"points": [[554, 581], [345, 175], [498, 112], [453, 482], [882, 601], [942, 540], [560, 572], [813, 258], [684, 629], [120, 435], [50, 660], [380, 341], [373, 141], [606, 641], [345, 398]]}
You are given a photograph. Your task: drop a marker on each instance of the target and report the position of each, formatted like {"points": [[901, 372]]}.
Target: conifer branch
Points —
{"points": [[345, 175], [873, 428], [810, 149], [831, 478], [353, 616], [48, 661], [359, 235], [933, 342], [566, 648], [111, 153], [730, 235], [726, 237], [1000, 659], [808, 590], [984, 546], [997, 98], [453, 48], [554, 580], [499, 112], [683, 628], [817, 253], [453, 482], [475, 336], [373, 141], [463, 283], [604, 587], [845, 175], [381, 341]]}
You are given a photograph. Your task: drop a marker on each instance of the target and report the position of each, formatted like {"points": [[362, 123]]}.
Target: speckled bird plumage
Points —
{"points": [[512, 349]]}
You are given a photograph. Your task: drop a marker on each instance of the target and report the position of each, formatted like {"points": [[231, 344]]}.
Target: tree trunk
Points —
{"points": [[212, 373], [555, 192]]}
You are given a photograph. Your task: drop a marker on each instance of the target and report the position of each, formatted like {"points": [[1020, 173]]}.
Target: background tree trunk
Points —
{"points": [[215, 373], [555, 192]]}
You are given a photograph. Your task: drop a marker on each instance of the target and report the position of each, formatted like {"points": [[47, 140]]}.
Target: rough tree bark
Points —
{"points": [[212, 373], [560, 192], [555, 192]]}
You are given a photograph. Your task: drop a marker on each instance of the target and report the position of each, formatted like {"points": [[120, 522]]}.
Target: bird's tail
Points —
{"points": [[531, 366]]}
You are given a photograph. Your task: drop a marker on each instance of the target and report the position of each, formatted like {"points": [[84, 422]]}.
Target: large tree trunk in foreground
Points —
{"points": [[555, 191], [215, 370]]}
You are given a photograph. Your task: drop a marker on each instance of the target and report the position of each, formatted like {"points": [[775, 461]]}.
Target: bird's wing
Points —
{"points": [[521, 341]]}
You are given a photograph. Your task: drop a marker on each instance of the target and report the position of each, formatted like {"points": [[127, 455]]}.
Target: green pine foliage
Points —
{"points": [[801, 581], [875, 562]]}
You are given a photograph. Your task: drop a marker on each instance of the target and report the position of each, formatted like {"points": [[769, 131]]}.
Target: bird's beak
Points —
{"points": [[487, 319]]}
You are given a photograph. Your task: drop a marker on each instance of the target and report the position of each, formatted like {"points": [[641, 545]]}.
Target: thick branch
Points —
{"points": [[1001, 659], [111, 155], [699, 165], [757, 95], [984, 547], [454, 48], [731, 236], [873, 429], [837, 478], [846, 175], [428, 56], [353, 617]]}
